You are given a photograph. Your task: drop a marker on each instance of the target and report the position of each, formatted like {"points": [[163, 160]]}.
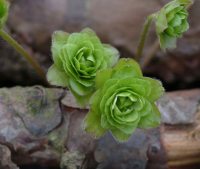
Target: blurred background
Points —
{"points": [[115, 21]]}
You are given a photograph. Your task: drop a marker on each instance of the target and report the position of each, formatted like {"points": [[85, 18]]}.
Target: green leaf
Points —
{"points": [[4, 9], [126, 68], [59, 39], [56, 77]]}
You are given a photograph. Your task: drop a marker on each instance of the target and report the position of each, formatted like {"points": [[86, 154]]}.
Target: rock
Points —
{"points": [[64, 142], [37, 107], [179, 107], [111, 154], [5, 158]]}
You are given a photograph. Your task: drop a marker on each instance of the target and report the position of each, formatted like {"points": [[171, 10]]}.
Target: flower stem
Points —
{"points": [[150, 54], [24, 53], [143, 36]]}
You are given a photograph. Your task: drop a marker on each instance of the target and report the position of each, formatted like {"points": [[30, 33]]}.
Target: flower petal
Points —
{"points": [[126, 68], [56, 77], [59, 38], [120, 136], [152, 119], [92, 122], [111, 54]]}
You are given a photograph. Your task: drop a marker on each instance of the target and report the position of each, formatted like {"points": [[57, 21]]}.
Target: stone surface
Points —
{"points": [[179, 107], [36, 106], [5, 158], [65, 142], [115, 21]]}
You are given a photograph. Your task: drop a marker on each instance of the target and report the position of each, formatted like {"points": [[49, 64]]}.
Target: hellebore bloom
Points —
{"points": [[124, 101], [4, 8], [171, 22], [77, 58]]}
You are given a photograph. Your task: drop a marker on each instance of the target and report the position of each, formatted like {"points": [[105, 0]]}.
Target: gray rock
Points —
{"points": [[179, 107]]}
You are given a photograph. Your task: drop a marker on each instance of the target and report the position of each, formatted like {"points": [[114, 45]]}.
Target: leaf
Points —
{"points": [[56, 77]]}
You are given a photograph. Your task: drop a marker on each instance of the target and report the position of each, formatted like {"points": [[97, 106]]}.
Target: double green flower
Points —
{"points": [[77, 58], [124, 101], [171, 22]]}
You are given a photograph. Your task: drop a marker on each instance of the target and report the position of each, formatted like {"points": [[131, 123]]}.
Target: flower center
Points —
{"points": [[125, 102], [85, 57]]}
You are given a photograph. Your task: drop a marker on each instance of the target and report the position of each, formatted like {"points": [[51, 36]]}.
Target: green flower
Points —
{"points": [[4, 7], [124, 101], [171, 22], [77, 58]]}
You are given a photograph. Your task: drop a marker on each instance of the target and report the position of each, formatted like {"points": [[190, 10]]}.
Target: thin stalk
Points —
{"points": [[150, 54], [143, 37], [24, 53]]}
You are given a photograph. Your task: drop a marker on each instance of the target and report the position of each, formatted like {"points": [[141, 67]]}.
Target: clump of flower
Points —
{"points": [[77, 58], [171, 22], [124, 101]]}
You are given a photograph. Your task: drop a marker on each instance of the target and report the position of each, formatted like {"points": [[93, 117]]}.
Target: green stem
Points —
{"points": [[143, 37], [24, 53]]}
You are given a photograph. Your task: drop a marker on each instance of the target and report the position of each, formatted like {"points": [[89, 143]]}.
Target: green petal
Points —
{"points": [[126, 68], [156, 89], [79, 88], [171, 6], [120, 136], [177, 20], [167, 41], [85, 35], [59, 39], [56, 77], [81, 100], [93, 125], [151, 120], [92, 122], [186, 3], [4, 9], [91, 35], [184, 26], [102, 76], [161, 21], [111, 54]]}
